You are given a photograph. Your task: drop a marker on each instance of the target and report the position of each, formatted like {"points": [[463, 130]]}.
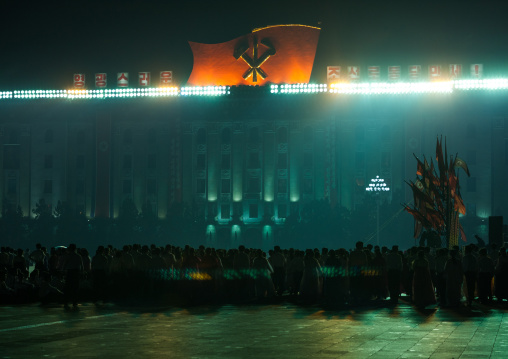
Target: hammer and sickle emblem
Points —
{"points": [[255, 62]]}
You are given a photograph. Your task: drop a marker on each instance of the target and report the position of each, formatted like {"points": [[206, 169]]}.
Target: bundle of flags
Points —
{"points": [[436, 195]]}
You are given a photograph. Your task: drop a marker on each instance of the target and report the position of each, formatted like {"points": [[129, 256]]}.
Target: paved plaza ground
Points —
{"points": [[282, 330]]}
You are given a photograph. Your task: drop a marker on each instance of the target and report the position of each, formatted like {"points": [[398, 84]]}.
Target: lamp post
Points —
{"points": [[377, 186]]}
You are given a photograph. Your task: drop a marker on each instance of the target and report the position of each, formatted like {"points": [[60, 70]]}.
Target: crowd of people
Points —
{"points": [[194, 275]]}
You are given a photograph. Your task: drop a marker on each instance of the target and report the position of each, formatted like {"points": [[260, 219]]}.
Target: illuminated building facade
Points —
{"points": [[249, 157]]}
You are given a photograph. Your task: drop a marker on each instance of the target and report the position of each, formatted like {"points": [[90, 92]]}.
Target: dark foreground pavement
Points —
{"points": [[281, 330]]}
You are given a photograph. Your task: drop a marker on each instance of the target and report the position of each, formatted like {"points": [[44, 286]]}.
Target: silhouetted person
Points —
{"points": [[470, 268], [485, 274], [72, 265], [394, 271]]}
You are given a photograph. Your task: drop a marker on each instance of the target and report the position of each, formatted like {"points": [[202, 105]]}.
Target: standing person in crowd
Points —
{"points": [[38, 257], [394, 272], [262, 272], [295, 272], [310, 288], [453, 277], [378, 274], [332, 274], [100, 269], [242, 268], [485, 273], [358, 262], [278, 262], [441, 259], [501, 279], [423, 289], [470, 268], [72, 265]]}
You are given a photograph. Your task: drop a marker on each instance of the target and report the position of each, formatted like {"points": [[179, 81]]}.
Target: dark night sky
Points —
{"points": [[43, 45]]}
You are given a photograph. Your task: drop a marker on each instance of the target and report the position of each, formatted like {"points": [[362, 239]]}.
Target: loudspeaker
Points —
{"points": [[496, 230]]}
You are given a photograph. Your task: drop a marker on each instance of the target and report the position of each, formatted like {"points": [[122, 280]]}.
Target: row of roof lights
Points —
{"points": [[374, 88]]}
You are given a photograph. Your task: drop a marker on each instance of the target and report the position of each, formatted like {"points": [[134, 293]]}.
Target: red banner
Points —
{"points": [[103, 150], [274, 54]]}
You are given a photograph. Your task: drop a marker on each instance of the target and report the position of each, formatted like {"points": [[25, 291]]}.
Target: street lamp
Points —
{"points": [[377, 186]]}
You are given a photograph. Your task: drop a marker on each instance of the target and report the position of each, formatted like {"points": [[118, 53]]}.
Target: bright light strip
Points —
{"points": [[31, 94], [486, 84], [384, 88], [375, 88], [298, 88], [205, 91], [5, 94]]}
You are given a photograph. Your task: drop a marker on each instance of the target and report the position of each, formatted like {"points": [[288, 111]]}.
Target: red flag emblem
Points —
{"points": [[274, 54]]}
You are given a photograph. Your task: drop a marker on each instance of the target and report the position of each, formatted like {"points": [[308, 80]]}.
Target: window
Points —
{"points": [[200, 185], [360, 160], [48, 136], [308, 160], [471, 157], [308, 135], [282, 185], [48, 187], [471, 131], [282, 161], [152, 136], [385, 160], [11, 157], [225, 211], [359, 133], [226, 136], [226, 161], [253, 211], [12, 186], [80, 137], [48, 161], [127, 137], [471, 209], [254, 185], [201, 137], [127, 186], [201, 161], [80, 162], [226, 186], [254, 135], [282, 211], [471, 184], [14, 137], [80, 187], [151, 161], [282, 135], [151, 186], [127, 162], [254, 160], [307, 186]]}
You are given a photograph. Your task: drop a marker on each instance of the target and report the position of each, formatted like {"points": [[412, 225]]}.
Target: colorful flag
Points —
{"points": [[166, 78], [332, 73], [393, 73], [415, 72], [122, 79], [374, 73], [477, 71], [353, 72], [100, 80], [250, 60], [144, 79], [460, 163], [79, 81], [455, 71]]}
